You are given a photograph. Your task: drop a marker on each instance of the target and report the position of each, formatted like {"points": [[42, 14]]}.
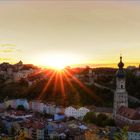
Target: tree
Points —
{"points": [[90, 117], [101, 120], [122, 135]]}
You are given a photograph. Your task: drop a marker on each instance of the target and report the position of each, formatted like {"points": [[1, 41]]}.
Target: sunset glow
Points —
{"points": [[95, 32], [58, 61]]}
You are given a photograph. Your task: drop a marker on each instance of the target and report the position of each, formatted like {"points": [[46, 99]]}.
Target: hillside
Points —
{"points": [[71, 94]]}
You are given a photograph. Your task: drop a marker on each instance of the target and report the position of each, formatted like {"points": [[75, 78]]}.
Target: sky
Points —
{"points": [[73, 31]]}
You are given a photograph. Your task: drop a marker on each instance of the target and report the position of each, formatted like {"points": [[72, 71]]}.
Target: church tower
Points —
{"points": [[120, 95]]}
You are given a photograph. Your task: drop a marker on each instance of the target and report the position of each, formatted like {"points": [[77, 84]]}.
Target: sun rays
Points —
{"points": [[58, 79]]}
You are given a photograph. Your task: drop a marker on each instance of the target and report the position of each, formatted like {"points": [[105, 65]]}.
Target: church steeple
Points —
{"points": [[120, 95], [120, 73], [121, 64]]}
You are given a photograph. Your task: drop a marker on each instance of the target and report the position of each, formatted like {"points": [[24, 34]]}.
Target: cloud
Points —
{"points": [[7, 45], [7, 51], [5, 59], [8, 48]]}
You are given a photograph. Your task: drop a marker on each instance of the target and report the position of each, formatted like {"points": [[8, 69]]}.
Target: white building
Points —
{"points": [[59, 109], [82, 112], [14, 103], [120, 95], [22, 102], [71, 112], [133, 135], [76, 112], [37, 105], [123, 115], [11, 103]]}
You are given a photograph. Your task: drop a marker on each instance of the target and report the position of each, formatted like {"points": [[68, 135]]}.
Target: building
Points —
{"points": [[22, 74], [120, 96], [77, 113], [104, 110], [37, 106], [82, 111], [71, 112], [14, 103], [22, 102], [123, 115], [34, 130], [137, 73]]}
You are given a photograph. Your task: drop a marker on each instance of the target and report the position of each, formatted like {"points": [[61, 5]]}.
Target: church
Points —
{"points": [[123, 115]]}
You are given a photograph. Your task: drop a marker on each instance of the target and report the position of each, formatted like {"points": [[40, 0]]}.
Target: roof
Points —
{"points": [[38, 125], [34, 124], [120, 73], [104, 110], [131, 127], [134, 128], [129, 113]]}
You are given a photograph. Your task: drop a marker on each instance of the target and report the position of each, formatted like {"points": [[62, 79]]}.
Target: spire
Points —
{"points": [[121, 64], [120, 58], [120, 73]]}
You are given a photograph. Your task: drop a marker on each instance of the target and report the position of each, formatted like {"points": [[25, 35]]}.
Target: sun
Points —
{"points": [[58, 65], [57, 61]]}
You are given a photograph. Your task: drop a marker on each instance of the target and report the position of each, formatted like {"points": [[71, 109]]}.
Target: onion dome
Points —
{"points": [[121, 64], [120, 73]]}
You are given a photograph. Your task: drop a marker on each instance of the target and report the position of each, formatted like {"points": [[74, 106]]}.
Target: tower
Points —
{"points": [[120, 95]]}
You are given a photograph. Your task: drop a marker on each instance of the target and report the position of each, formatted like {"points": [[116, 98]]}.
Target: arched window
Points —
{"points": [[121, 86]]}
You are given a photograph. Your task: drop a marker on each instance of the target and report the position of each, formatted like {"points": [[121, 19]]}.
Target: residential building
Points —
{"points": [[71, 112], [82, 111]]}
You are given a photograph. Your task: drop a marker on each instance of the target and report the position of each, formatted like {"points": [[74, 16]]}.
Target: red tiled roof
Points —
{"points": [[131, 127], [135, 128], [129, 113]]}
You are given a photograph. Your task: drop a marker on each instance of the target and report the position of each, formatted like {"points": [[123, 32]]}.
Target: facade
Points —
{"points": [[34, 130], [11, 103], [120, 96], [14, 103], [59, 109], [22, 74], [37, 106], [82, 112], [71, 112], [23, 102], [123, 115], [133, 136], [104, 110], [76, 112]]}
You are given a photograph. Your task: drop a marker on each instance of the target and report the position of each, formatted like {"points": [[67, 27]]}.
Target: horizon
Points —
{"points": [[113, 65]]}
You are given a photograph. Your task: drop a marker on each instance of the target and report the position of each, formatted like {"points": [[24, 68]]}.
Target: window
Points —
{"points": [[121, 86]]}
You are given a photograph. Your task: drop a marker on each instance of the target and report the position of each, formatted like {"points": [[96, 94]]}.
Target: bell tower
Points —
{"points": [[120, 95]]}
